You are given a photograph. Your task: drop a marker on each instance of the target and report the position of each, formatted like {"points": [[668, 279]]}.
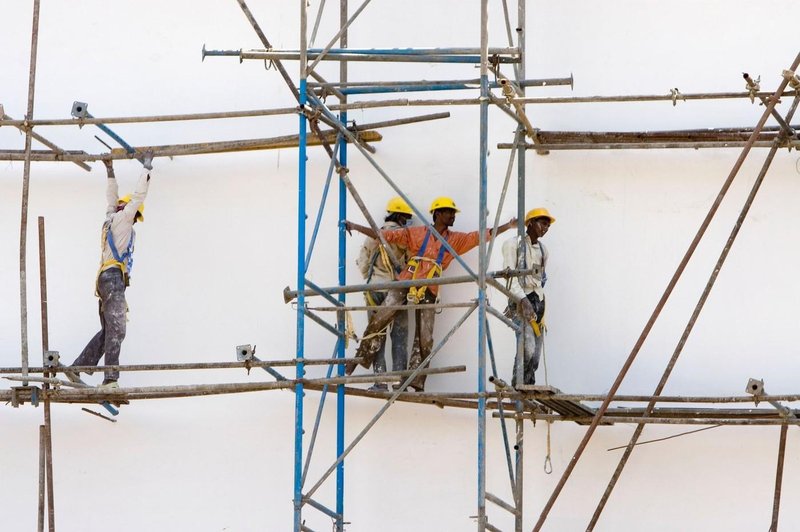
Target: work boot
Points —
{"points": [[378, 387], [418, 385], [109, 384]]}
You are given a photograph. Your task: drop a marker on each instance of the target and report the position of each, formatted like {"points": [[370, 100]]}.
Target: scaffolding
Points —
{"points": [[492, 395]]}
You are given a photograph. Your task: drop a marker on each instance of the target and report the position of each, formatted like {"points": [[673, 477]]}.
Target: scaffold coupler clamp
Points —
{"points": [[499, 384], [755, 387], [794, 81], [675, 94], [753, 86], [246, 353]]}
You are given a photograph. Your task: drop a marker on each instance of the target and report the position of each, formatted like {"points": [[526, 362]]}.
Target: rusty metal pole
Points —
{"points": [[663, 300], [520, 147], [42, 437], [48, 427], [776, 501], [695, 314], [26, 176]]}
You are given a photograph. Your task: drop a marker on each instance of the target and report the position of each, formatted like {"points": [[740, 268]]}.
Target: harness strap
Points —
{"points": [[124, 262], [416, 294]]}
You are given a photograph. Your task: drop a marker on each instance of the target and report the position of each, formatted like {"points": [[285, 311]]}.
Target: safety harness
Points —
{"points": [[124, 261], [537, 324], [372, 299], [417, 293]]}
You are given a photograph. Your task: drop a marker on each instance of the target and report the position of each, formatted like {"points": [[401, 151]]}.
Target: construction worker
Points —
{"points": [[428, 260], [114, 274], [529, 313], [375, 265]]}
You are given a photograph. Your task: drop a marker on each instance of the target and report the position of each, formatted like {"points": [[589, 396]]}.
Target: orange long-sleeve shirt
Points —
{"points": [[411, 238]]}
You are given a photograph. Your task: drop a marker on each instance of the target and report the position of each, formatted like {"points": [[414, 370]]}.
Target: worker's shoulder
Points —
{"points": [[511, 242]]}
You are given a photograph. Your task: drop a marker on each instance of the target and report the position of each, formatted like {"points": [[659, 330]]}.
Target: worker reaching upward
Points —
{"points": [[114, 275], [429, 258]]}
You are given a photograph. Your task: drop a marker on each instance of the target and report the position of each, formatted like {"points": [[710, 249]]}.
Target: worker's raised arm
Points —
{"points": [[112, 189], [140, 193], [351, 226], [506, 226]]}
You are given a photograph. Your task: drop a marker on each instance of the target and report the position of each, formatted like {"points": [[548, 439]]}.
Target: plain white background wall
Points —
{"points": [[219, 245]]}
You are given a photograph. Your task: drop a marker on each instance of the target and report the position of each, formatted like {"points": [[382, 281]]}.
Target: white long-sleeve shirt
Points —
{"points": [[121, 223], [535, 259], [380, 273]]}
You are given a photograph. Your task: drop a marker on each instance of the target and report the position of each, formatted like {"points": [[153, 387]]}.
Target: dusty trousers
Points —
{"points": [[531, 349], [423, 339], [113, 310], [399, 337]]}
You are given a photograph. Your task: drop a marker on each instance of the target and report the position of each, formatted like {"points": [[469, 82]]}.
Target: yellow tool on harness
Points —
{"points": [[537, 326], [417, 293]]}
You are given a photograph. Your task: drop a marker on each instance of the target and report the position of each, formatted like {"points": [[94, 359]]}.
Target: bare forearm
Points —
{"points": [[351, 226], [506, 226]]}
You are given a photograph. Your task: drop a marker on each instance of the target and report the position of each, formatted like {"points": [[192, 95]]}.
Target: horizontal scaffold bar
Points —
{"points": [[93, 394], [777, 420], [687, 138], [191, 365], [545, 82], [275, 143], [432, 56], [382, 87], [646, 145], [372, 105], [289, 295]]}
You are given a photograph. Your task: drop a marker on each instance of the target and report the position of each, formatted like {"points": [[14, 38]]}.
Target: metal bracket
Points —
{"points": [[51, 359], [753, 86], [755, 387], [16, 395], [676, 94], [794, 80], [80, 110], [245, 352]]}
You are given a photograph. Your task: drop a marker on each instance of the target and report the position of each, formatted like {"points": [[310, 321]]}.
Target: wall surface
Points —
{"points": [[219, 246]]}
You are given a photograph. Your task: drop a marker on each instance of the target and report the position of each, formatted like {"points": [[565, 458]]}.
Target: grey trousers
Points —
{"points": [[399, 337], [532, 351], [113, 309], [423, 342], [423, 339]]}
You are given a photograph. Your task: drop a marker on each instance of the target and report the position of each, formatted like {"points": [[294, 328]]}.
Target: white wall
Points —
{"points": [[218, 247]]}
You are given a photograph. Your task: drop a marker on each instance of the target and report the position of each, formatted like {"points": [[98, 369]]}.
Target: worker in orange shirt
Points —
{"points": [[429, 259]]}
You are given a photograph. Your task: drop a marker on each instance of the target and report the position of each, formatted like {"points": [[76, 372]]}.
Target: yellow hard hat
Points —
{"points": [[139, 212], [398, 204], [539, 212], [443, 202]]}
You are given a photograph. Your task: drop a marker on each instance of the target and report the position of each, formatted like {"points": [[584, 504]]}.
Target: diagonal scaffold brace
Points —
{"points": [[661, 303]]}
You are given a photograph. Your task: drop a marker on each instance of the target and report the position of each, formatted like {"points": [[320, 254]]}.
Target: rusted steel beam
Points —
{"points": [[663, 300], [274, 143], [776, 499], [662, 398], [21, 125], [26, 178], [197, 365], [610, 420], [696, 312], [48, 426]]}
